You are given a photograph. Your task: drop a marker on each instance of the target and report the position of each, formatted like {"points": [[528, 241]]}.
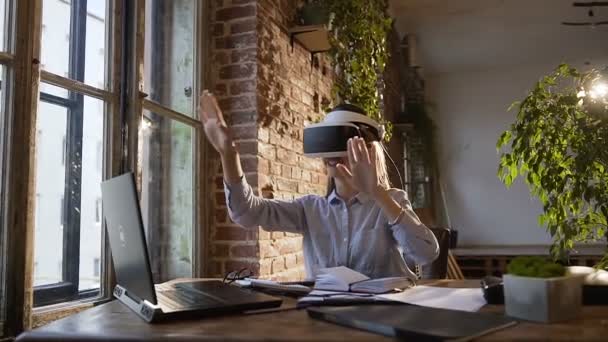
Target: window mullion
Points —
{"points": [[73, 187]]}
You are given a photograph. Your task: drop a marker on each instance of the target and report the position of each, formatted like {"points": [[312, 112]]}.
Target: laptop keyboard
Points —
{"points": [[178, 299]]}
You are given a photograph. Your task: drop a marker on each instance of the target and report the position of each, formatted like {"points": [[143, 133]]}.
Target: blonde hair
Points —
{"points": [[381, 170]]}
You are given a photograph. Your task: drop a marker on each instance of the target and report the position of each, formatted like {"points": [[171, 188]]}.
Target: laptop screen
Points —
{"points": [[127, 237]]}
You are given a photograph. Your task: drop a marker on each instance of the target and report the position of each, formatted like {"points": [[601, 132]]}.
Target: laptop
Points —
{"points": [[135, 287], [413, 322]]}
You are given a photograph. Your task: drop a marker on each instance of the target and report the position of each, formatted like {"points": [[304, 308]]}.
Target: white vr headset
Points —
{"points": [[328, 139]]}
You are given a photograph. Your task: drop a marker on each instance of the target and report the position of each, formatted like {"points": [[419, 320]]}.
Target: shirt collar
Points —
{"points": [[333, 198]]}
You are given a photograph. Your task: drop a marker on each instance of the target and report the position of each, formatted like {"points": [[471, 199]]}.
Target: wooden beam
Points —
{"points": [[77, 86], [21, 167]]}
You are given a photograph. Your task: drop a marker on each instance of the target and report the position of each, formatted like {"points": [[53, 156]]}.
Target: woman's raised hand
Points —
{"points": [[216, 130], [361, 172]]}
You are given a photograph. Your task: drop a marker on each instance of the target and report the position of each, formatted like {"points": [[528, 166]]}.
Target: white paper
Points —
{"points": [[344, 274], [440, 297]]}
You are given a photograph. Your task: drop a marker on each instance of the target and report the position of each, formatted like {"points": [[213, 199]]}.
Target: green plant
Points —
{"points": [[534, 266], [359, 50], [558, 145]]}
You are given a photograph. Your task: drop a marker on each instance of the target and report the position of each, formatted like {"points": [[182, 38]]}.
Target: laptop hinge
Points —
{"points": [[143, 308]]}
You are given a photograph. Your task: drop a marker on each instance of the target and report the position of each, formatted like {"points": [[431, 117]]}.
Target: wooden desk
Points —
{"points": [[114, 322]]}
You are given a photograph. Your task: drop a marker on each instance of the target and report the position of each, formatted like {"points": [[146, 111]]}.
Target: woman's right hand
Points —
{"points": [[216, 130]]}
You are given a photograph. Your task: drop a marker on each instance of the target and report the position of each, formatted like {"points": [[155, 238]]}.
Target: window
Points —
{"points": [[167, 137], [71, 118], [98, 210], [96, 267]]}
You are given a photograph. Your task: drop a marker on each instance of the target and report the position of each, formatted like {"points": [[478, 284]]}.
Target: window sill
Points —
{"points": [[47, 314]]}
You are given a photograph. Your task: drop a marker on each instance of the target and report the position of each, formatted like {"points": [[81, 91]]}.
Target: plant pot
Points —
{"points": [[314, 14], [543, 299]]}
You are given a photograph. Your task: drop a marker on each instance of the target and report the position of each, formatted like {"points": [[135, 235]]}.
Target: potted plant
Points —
{"points": [[313, 12], [558, 146], [539, 290]]}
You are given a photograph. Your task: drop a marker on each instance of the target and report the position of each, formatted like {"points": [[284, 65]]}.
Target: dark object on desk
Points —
{"points": [[412, 322], [493, 291], [595, 294], [135, 287]]}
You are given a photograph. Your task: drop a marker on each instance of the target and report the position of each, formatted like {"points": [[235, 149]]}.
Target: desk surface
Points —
{"points": [[114, 322]]}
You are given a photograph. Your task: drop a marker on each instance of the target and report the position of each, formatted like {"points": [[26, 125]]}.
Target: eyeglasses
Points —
{"points": [[241, 274]]}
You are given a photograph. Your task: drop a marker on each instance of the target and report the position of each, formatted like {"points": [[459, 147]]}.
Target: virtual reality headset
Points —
{"points": [[328, 139]]}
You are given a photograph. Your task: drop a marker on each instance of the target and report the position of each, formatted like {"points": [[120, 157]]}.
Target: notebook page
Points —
{"points": [[441, 297]]}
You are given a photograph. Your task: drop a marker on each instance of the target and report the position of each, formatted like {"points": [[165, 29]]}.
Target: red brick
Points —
{"points": [[221, 58], [244, 251], [243, 2], [220, 198], [275, 168], [247, 147], [286, 185], [249, 163], [300, 258], [220, 90], [296, 173], [236, 71], [263, 234], [263, 168], [237, 103], [266, 151], [265, 267], [243, 55], [235, 12], [285, 171], [221, 215], [218, 30], [277, 235], [268, 250], [287, 246], [236, 265], [220, 250], [224, 233], [246, 25], [290, 261], [241, 87], [244, 117], [219, 182], [263, 134], [239, 41], [286, 157], [278, 265], [217, 269]]}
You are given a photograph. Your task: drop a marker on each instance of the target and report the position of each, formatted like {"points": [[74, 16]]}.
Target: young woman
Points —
{"points": [[362, 223]]}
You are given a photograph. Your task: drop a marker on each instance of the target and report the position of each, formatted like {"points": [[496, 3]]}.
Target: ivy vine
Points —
{"points": [[360, 53], [558, 146]]}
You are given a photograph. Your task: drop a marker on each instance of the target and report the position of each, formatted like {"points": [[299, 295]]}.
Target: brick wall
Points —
{"points": [[267, 92]]}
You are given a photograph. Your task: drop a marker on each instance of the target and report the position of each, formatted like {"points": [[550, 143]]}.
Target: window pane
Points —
{"points": [[58, 41], [169, 53], [2, 191], [3, 22], [167, 195], [90, 222], [68, 177], [51, 127]]}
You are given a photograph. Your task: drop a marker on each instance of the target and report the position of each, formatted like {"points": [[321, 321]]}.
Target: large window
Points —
{"points": [[6, 16], [70, 127], [167, 139]]}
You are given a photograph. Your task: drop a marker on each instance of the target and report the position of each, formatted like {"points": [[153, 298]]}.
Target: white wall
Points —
{"points": [[470, 111]]}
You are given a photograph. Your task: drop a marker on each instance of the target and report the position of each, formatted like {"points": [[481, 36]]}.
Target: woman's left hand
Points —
{"points": [[362, 174]]}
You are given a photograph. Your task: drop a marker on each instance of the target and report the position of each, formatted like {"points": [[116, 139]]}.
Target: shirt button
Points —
{"points": [[344, 239]]}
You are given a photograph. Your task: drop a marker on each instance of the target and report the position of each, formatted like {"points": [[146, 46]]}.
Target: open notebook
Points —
{"points": [[343, 279]]}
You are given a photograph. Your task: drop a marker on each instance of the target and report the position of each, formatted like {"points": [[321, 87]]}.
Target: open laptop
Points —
{"points": [[135, 287]]}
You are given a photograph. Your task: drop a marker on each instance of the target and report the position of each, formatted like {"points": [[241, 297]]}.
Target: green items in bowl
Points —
{"points": [[535, 266]]}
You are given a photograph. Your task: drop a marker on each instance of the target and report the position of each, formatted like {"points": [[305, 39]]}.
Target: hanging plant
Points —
{"points": [[558, 145], [359, 51]]}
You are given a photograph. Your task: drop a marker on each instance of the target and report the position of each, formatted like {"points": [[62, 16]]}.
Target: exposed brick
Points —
{"points": [[244, 251], [246, 25], [288, 246], [243, 2], [239, 41], [244, 117], [221, 215], [267, 151], [265, 267], [219, 182], [225, 233], [236, 265], [275, 168], [243, 55], [237, 71], [277, 235], [218, 30], [241, 87], [220, 89], [286, 185], [278, 264], [221, 58], [290, 261], [238, 103], [220, 250], [217, 269], [235, 12], [263, 168], [300, 258], [263, 134], [296, 173], [247, 147], [268, 250], [263, 234], [249, 163], [286, 171], [287, 157]]}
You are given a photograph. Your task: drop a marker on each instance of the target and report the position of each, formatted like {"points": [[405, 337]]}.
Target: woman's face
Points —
{"points": [[330, 165]]}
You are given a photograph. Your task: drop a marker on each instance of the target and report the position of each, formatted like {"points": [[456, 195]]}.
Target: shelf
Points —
{"points": [[314, 38]]}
